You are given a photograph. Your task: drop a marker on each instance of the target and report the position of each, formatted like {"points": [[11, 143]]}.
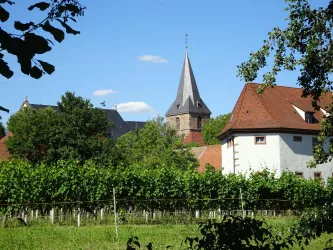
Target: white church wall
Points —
{"points": [[295, 155]]}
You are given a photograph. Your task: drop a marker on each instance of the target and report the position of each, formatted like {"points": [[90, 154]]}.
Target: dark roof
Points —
{"points": [[133, 125], [120, 126], [274, 110], [188, 99]]}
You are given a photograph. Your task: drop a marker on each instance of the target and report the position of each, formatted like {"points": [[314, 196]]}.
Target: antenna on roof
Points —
{"points": [[186, 35], [26, 98]]}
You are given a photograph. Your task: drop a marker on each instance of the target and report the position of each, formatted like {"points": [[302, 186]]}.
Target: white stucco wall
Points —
{"points": [[280, 153], [295, 155], [251, 157]]}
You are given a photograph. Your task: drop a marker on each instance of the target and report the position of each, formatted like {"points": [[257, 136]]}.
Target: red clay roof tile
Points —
{"points": [[273, 109]]}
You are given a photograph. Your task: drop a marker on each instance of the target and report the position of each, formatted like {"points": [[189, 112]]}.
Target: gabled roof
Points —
{"points": [[273, 110], [120, 126], [188, 97]]}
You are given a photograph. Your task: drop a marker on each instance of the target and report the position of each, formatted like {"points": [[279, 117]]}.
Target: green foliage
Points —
{"points": [[305, 44], [78, 131], [237, 233], [26, 44], [153, 146], [165, 188], [212, 128]]}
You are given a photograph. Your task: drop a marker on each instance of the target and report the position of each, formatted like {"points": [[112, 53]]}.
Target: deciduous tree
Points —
{"points": [[211, 128], [304, 45], [154, 145], [76, 131]]}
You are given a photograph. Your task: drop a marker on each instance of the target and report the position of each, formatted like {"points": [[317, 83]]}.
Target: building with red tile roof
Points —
{"points": [[276, 130]]}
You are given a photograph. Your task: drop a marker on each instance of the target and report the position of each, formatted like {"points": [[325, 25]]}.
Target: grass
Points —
{"points": [[103, 237]]}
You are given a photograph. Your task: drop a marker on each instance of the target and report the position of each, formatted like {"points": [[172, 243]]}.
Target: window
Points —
{"points": [[199, 122], [309, 117], [199, 104], [178, 123], [317, 176], [260, 140], [314, 141], [178, 106], [297, 138], [299, 174], [230, 142]]}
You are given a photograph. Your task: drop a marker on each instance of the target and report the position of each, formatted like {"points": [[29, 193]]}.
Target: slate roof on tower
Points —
{"points": [[188, 99], [274, 110]]}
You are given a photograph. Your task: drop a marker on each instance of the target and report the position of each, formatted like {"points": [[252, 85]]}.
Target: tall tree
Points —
{"points": [[211, 128], [25, 44], [154, 145], [76, 131], [304, 45]]}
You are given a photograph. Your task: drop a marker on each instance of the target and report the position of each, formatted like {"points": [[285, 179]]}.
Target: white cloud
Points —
{"points": [[103, 92], [151, 58], [134, 107]]}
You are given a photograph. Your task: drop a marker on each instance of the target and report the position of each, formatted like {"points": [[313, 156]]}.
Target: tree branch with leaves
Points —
{"points": [[26, 45], [304, 45]]}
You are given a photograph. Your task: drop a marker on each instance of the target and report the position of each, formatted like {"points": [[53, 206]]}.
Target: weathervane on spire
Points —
{"points": [[186, 35]]}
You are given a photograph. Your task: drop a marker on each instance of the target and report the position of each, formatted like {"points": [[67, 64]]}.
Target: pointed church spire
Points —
{"points": [[188, 99]]}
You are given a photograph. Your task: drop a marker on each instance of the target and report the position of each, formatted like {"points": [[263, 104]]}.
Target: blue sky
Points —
{"points": [[116, 34]]}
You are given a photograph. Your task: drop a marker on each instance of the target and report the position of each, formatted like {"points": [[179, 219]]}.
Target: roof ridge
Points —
{"points": [[279, 86]]}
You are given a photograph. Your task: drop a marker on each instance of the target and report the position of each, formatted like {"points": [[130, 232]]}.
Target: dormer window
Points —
{"points": [[309, 117], [199, 104], [178, 106]]}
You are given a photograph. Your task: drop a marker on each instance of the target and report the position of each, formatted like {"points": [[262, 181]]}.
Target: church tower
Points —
{"points": [[188, 112]]}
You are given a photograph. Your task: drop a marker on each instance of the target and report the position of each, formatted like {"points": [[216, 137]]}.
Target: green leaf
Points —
{"points": [[4, 109], [35, 72], [69, 30], [4, 14], [58, 34], [37, 44], [48, 68], [22, 26], [25, 63], [5, 70], [42, 6]]}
